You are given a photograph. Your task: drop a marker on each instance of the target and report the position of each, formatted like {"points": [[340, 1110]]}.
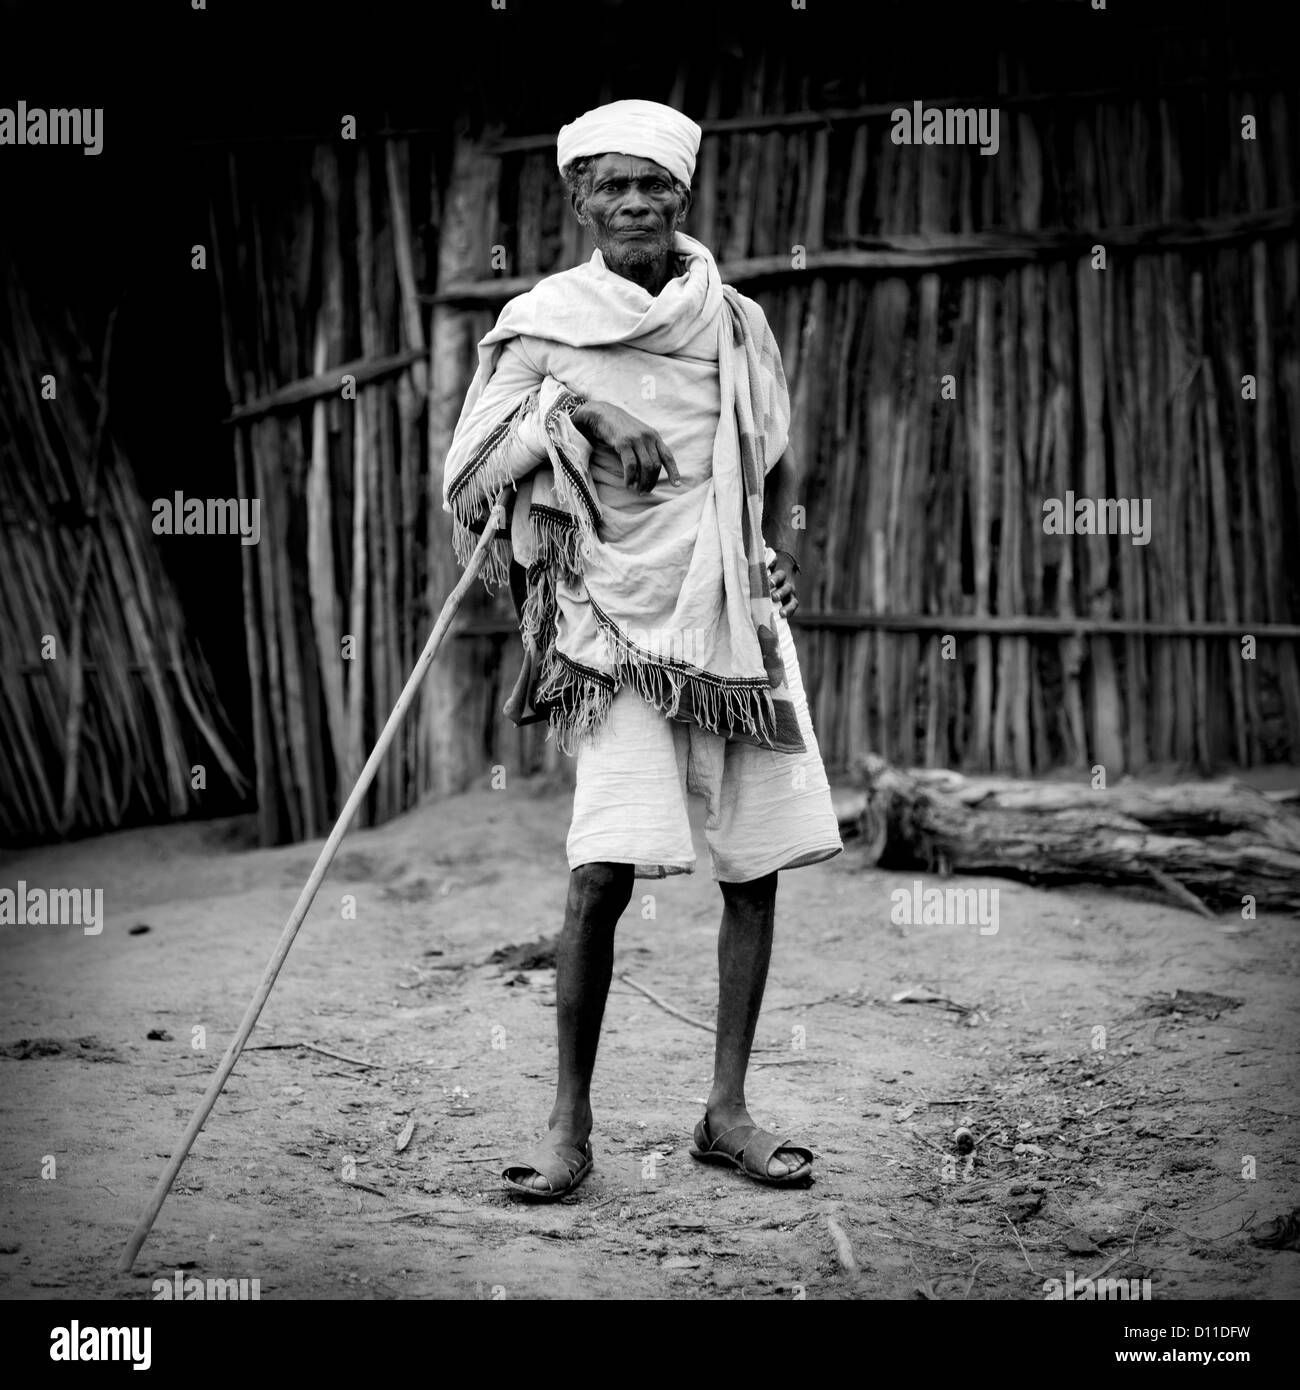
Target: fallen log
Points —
{"points": [[1212, 842]]}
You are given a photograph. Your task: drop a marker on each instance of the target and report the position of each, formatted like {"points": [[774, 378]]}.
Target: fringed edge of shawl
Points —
{"points": [[718, 704], [476, 489], [558, 539], [577, 698], [572, 490], [537, 619], [565, 538]]}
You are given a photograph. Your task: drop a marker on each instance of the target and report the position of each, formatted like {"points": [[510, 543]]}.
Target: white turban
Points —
{"points": [[646, 129]]}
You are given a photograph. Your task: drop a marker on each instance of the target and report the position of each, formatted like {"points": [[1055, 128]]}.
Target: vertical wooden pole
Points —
{"points": [[321, 579], [449, 758], [1094, 551]]}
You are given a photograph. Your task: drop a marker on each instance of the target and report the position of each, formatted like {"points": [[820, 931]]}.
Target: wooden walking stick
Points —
{"points": [[496, 522]]}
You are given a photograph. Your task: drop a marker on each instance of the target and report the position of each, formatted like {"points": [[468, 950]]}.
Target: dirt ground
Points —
{"points": [[1126, 1153]]}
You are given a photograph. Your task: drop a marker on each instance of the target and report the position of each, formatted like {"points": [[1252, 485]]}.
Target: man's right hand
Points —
{"points": [[641, 449]]}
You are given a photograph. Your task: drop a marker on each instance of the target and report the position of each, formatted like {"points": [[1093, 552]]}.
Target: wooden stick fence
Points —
{"points": [[955, 360]]}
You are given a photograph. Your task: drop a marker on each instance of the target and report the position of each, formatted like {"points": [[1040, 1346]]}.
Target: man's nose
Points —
{"points": [[635, 203]]}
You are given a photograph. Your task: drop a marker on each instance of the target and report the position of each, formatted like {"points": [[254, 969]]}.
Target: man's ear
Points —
{"points": [[685, 207], [579, 204]]}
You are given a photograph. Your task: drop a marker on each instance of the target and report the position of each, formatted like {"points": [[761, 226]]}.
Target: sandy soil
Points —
{"points": [[1127, 1158]]}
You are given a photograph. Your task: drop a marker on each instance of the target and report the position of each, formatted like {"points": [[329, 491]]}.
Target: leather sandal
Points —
{"points": [[750, 1149], [562, 1165]]}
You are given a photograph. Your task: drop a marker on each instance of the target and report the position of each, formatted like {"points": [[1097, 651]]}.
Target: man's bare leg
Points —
{"points": [[584, 963], [744, 950]]}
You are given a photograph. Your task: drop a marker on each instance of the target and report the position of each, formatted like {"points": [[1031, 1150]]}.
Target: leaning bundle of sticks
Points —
{"points": [[106, 705]]}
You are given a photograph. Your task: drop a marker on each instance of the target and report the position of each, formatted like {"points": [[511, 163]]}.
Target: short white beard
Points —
{"points": [[632, 254], [637, 255]]}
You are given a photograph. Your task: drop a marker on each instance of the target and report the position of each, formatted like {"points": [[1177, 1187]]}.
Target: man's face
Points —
{"points": [[632, 207]]}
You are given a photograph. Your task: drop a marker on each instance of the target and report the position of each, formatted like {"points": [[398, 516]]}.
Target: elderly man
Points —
{"points": [[637, 410]]}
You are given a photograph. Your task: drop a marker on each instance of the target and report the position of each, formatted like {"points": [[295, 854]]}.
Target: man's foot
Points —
{"points": [[553, 1168], [732, 1138], [567, 1135]]}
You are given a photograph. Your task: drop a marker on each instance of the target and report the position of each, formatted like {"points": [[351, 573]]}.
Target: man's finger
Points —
{"points": [[649, 465], [670, 464], [631, 465], [663, 460]]}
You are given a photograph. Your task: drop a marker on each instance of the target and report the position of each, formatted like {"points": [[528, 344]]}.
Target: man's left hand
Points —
{"points": [[781, 573]]}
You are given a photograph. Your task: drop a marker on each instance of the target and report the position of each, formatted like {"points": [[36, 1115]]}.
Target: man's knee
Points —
{"points": [[602, 882]]}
